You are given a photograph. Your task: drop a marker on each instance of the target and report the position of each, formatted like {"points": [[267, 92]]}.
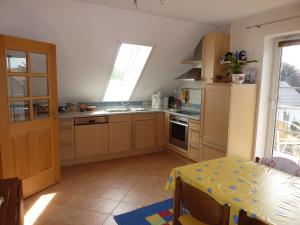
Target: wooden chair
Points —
{"points": [[245, 220], [202, 208]]}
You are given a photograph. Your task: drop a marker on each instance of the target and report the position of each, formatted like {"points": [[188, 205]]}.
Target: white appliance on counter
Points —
{"points": [[156, 100]]}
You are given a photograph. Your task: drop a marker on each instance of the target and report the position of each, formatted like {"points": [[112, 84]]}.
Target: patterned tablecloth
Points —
{"points": [[265, 193]]}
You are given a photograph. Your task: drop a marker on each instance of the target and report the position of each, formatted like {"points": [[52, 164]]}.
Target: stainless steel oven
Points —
{"points": [[179, 131]]}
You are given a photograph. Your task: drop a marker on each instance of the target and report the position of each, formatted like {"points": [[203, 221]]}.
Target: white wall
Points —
{"points": [[87, 37], [258, 42]]}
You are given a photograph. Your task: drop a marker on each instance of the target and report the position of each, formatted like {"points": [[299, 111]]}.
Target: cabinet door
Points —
{"points": [[160, 132], [91, 140], [210, 152], [66, 135], [208, 57], [144, 134], [120, 137], [67, 152], [194, 153], [215, 114]]}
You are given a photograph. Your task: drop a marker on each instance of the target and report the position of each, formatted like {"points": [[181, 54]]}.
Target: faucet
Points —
{"points": [[125, 105]]}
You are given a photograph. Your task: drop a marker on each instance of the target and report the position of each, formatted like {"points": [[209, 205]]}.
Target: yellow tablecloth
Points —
{"points": [[265, 193]]}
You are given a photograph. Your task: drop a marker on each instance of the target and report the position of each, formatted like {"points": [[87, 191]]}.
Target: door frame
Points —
{"points": [[274, 90]]}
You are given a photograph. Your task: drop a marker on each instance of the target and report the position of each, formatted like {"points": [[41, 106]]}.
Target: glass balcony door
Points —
{"points": [[286, 137]]}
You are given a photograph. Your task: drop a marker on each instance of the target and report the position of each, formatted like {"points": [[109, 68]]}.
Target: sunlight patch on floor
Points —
{"points": [[37, 209]]}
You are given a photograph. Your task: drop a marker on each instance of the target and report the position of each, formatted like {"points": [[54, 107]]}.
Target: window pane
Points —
{"points": [[19, 111], [17, 86], [39, 86], [16, 61], [128, 67], [38, 63], [40, 109], [287, 128]]}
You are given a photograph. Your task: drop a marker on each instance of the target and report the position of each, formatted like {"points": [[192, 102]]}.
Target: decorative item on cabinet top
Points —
{"points": [[235, 66]]}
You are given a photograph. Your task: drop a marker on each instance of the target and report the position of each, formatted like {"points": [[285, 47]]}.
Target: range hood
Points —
{"points": [[196, 61], [193, 74]]}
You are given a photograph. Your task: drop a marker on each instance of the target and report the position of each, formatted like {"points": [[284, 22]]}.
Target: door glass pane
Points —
{"points": [[19, 111], [287, 128], [16, 61], [40, 109], [17, 86], [39, 86], [38, 63]]}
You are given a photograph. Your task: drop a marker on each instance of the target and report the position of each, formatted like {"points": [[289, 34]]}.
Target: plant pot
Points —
{"points": [[238, 78]]}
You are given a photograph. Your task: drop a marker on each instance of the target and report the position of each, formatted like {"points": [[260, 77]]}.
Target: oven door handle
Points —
{"points": [[179, 123]]}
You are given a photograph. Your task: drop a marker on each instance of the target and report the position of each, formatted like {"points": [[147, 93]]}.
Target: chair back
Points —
{"points": [[200, 205], [245, 220], [280, 163]]}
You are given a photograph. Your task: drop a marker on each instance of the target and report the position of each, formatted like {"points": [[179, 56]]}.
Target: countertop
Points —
{"points": [[102, 112]]}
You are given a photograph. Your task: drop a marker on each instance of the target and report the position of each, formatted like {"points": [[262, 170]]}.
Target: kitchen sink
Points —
{"points": [[117, 110], [126, 110]]}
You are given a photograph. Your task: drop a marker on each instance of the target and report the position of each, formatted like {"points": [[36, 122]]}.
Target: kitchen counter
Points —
{"points": [[102, 112]]}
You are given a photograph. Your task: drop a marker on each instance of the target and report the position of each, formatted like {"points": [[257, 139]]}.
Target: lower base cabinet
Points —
{"points": [[91, 140], [144, 134], [120, 137], [210, 152], [195, 153]]}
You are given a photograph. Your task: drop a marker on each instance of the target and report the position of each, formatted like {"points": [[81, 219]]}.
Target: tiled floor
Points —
{"points": [[91, 194]]}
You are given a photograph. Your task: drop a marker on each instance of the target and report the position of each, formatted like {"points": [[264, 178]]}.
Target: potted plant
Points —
{"points": [[235, 68]]}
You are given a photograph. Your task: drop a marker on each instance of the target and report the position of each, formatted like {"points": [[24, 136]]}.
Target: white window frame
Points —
{"points": [[113, 64]]}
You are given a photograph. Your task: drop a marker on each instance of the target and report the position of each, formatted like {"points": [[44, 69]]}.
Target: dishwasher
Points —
{"points": [[91, 136]]}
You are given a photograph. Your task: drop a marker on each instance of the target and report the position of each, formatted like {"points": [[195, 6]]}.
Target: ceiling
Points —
{"points": [[217, 12]]}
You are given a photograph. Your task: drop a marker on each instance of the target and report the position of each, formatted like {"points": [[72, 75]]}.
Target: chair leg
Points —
{"points": [[176, 202]]}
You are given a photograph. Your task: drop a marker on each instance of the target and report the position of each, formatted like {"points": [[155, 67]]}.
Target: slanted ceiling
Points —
{"points": [[87, 38]]}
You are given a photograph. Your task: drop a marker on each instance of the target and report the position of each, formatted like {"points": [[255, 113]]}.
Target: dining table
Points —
{"points": [[267, 194]]}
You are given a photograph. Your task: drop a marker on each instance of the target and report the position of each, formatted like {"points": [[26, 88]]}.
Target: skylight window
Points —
{"points": [[128, 67]]}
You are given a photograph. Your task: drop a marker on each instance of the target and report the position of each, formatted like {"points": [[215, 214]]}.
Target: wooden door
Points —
{"points": [[120, 137], [144, 134], [91, 140], [28, 113], [215, 114]]}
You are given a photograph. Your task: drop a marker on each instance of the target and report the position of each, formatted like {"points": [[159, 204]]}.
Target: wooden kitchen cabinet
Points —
{"points": [[194, 140], [143, 134], [160, 129], [214, 46], [211, 152], [120, 136], [215, 114], [67, 138], [228, 120], [91, 140]]}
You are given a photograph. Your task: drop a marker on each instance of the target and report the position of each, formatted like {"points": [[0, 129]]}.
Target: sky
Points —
{"points": [[291, 55]]}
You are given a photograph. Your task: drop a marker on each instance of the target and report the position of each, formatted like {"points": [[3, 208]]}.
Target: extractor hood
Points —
{"points": [[193, 74], [196, 61]]}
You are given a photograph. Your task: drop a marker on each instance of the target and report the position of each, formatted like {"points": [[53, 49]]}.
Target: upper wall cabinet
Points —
{"points": [[215, 45]]}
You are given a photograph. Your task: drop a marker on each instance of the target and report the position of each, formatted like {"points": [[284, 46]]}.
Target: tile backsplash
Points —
{"points": [[194, 89]]}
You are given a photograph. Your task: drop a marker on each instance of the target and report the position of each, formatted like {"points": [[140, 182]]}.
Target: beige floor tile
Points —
{"points": [[84, 202], [125, 207], [89, 194], [115, 193], [110, 221], [107, 205], [135, 197], [94, 190]]}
